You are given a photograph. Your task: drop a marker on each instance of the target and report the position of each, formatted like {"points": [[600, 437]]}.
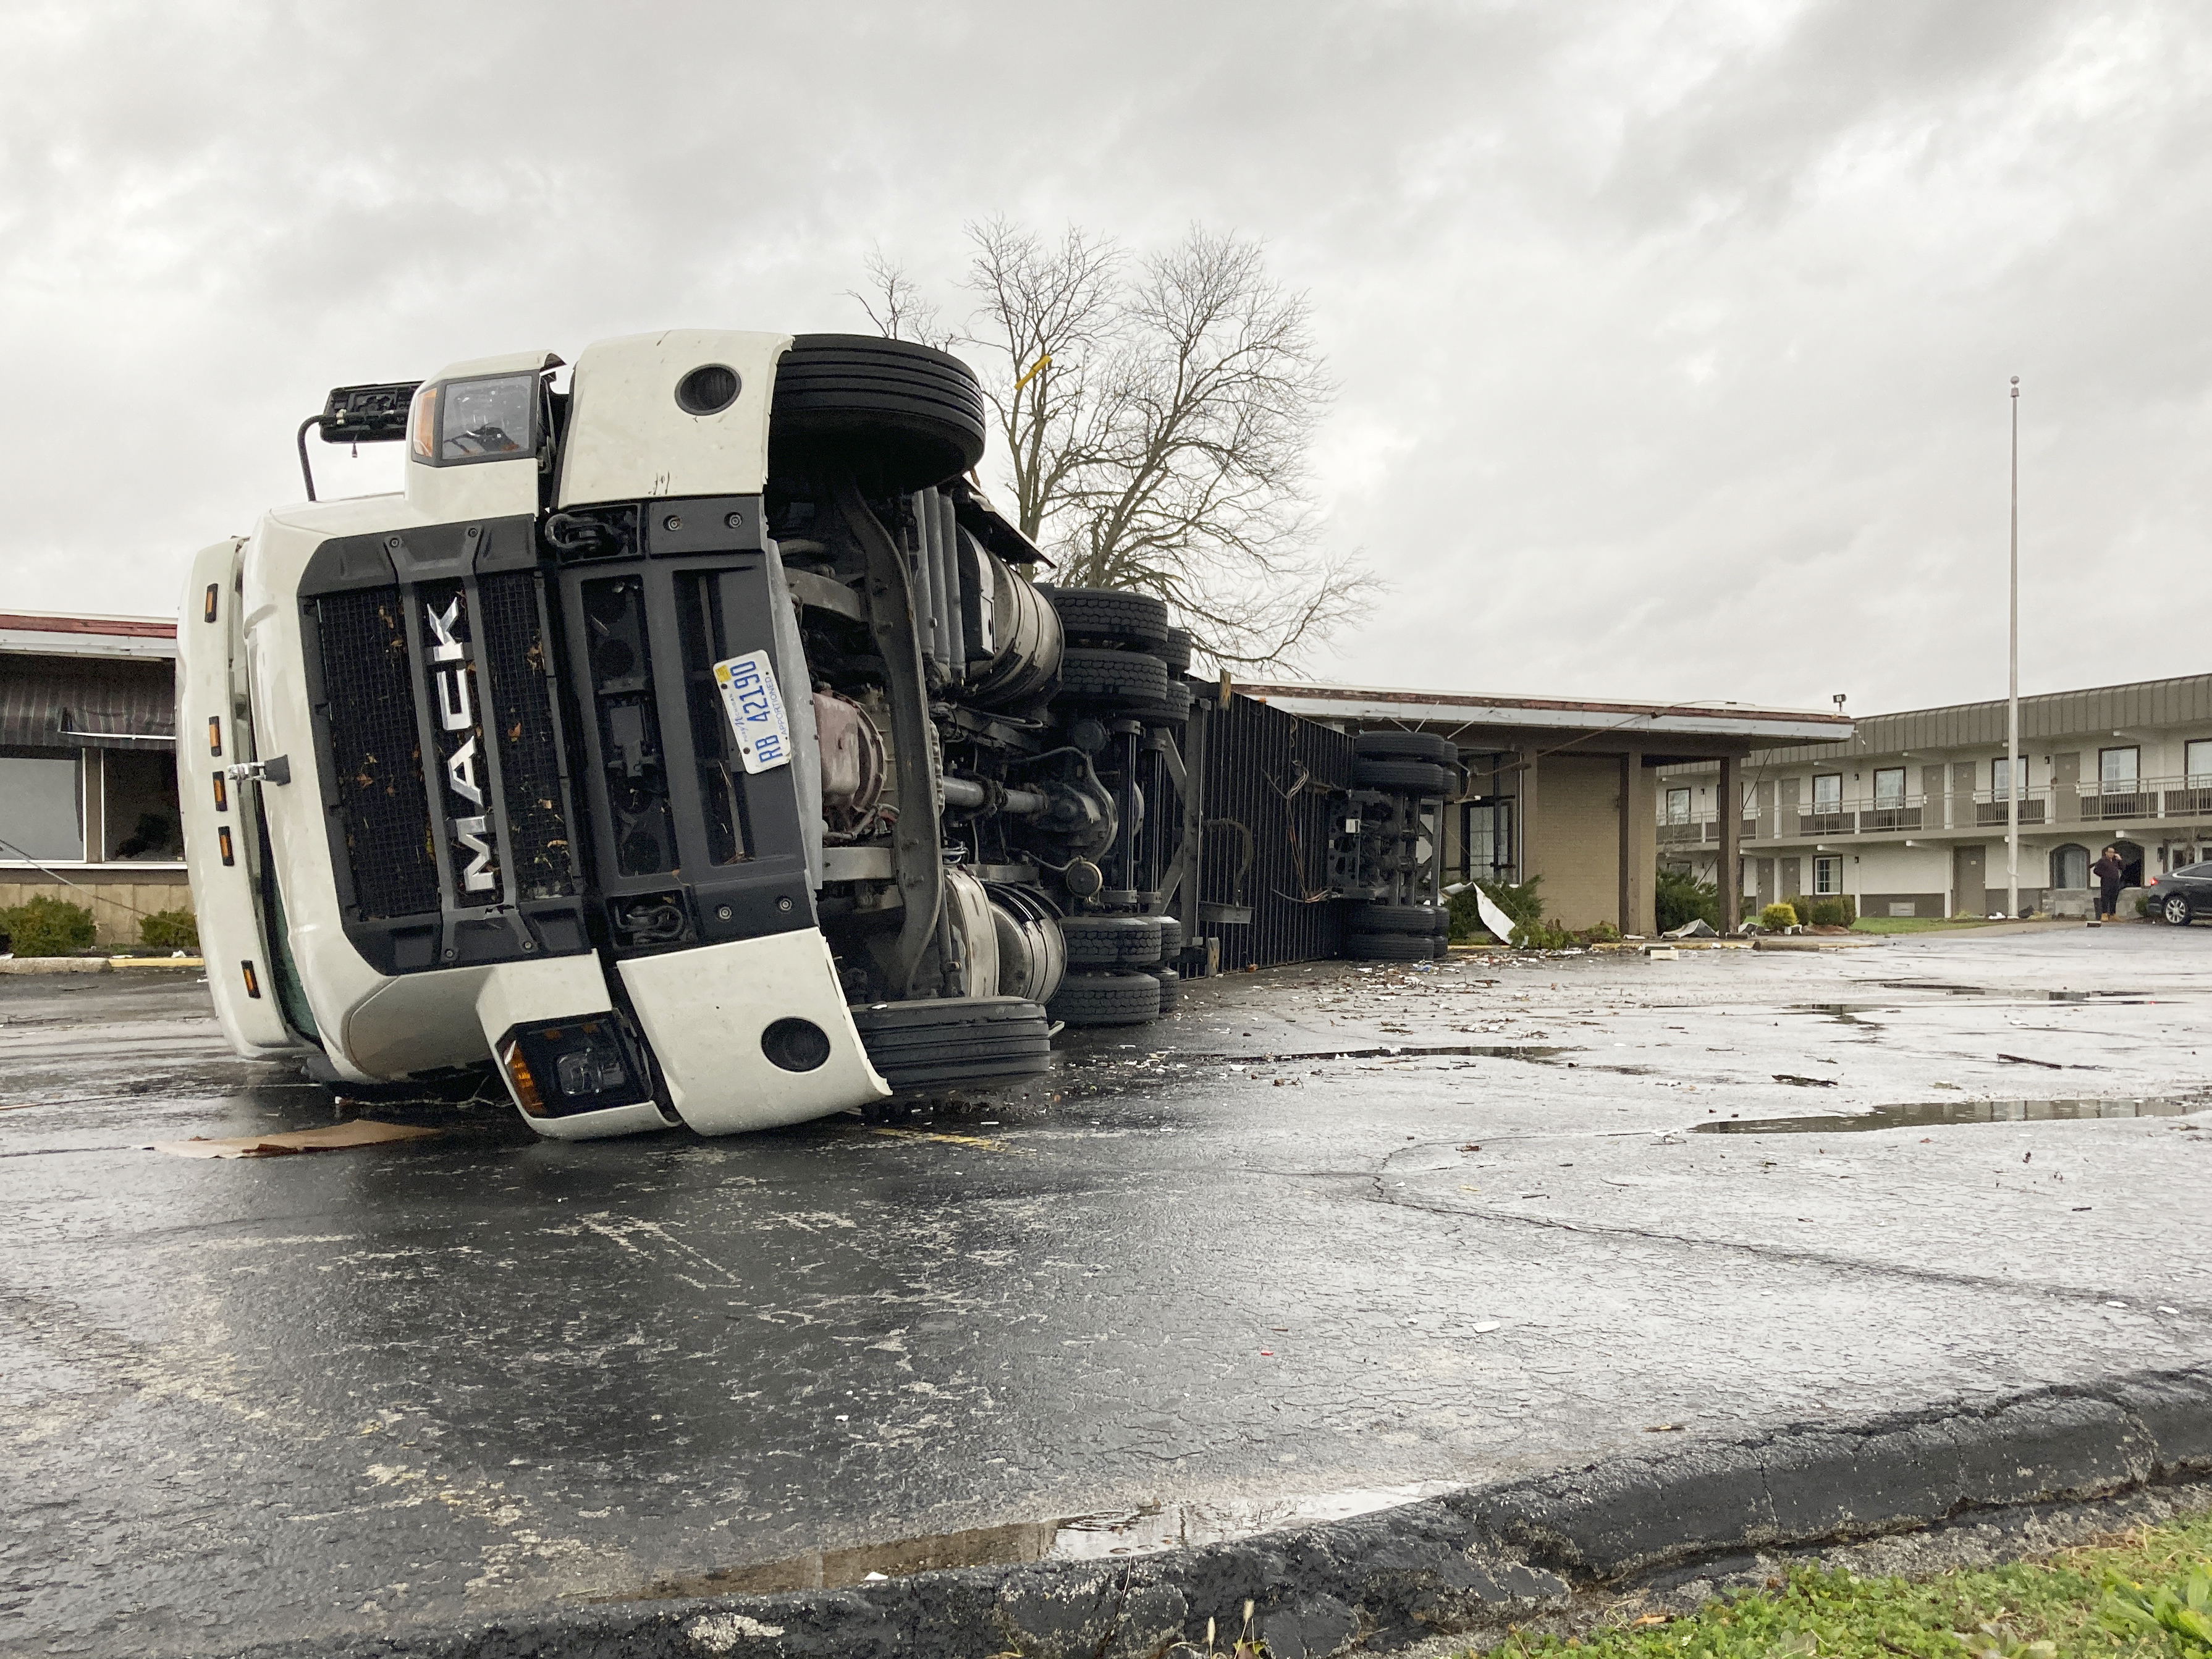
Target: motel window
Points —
{"points": [[1678, 806], [2001, 774], [1889, 788], [1828, 792], [41, 803], [2198, 763], [2118, 770], [1827, 877]]}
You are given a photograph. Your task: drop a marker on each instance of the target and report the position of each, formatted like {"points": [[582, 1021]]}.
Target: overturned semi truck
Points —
{"points": [[687, 743]]}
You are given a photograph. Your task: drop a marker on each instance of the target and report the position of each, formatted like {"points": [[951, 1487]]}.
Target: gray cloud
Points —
{"points": [[1672, 338]]}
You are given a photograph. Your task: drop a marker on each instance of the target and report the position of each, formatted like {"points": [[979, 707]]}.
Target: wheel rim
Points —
{"points": [[2177, 910]]}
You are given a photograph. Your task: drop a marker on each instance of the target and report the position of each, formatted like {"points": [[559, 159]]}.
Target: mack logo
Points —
{"points": [[449, 675]]}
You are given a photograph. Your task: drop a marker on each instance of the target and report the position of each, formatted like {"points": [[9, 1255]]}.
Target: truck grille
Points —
{"points": [[376, 754], [387, 679], [518, 711]]}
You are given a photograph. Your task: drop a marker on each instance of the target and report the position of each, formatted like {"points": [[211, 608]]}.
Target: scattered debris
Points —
{"points": [[1805, 1082], [342, 1137]]}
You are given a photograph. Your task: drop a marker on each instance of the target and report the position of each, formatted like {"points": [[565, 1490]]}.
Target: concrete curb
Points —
{"points": [[1469, 1563], [95, 964]]}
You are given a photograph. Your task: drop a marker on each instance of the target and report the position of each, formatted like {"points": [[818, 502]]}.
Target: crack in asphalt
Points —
{"points": [[1774, 1252]]}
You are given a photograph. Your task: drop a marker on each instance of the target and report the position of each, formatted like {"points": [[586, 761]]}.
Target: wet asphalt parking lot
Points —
{"points": [[1209, 1277]]}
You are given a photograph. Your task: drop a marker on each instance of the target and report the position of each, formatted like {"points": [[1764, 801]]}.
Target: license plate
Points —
{"points": [[756, 711]]}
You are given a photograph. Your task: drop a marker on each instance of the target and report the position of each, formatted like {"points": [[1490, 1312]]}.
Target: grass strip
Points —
{"points": [[2143, 1594]]}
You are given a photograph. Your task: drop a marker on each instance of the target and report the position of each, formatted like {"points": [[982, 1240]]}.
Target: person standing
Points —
{"points": [[2110, 871]]}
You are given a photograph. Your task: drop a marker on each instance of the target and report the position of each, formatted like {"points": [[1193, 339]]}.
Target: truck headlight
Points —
{"points": [[558, 1068]]}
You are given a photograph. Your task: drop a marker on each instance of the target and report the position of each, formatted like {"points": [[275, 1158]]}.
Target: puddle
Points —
{"points": [[1933, 985], [2098, 996], [1144, 1530], [1943, 1113]]}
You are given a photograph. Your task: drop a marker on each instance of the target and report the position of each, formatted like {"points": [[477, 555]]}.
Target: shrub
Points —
{"points": [[170, 930], [1776, 917], [1604, 933], [48, 927], [1679, 898], [1839, 910], [1521, 904]]}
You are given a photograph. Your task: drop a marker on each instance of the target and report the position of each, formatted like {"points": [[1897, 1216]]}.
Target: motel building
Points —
{"points": [[1907, 814]]}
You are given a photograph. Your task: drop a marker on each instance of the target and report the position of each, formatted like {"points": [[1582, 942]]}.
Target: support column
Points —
{"points": [[1627, 911], [1730, 808]]}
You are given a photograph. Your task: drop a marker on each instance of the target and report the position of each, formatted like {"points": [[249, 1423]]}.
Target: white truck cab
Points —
{"points": [[684, 743]]}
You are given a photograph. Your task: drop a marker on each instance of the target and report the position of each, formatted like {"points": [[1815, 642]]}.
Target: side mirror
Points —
{"points": [[358, 414], [366, 414]]}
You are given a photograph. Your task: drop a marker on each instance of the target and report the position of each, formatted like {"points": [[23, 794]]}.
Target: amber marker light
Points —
{"points": [[253, 981], [518, 1074], [221, 794], [214, 734], [210, 615], [223, 840]]}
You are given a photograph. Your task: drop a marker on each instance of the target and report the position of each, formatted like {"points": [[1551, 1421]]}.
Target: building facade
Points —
{"points": [[88, 768], [1908, 816]]}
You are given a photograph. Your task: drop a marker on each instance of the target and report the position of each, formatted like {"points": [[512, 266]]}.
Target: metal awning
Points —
{"points": [[82, 706]]}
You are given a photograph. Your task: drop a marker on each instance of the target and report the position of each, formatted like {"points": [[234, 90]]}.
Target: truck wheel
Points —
{"points": [[1173, 709], [905, 417], [1129, 999], [1405, 777], [1112, 941], [1118, 676], [1175, 651], [1423, 919], [1115, 617], [1171, 937], [1405, 746], [952, 1042], [1170, 988], [1389, 947]]}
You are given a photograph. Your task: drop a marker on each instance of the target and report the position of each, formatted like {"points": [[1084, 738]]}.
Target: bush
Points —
{"points": [[1679, 898], [1775, 917], [48, 927], [1521, 904], [1839, 911], [170, 930]]}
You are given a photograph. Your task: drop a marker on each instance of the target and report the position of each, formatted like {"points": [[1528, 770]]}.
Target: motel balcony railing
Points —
{"points": [[2143, 800]]}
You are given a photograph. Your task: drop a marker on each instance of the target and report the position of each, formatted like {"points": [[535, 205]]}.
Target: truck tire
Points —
{"points": [[952, 1042], [1405, 746], [1175, 651], [1125, 677], [1170, 988], [1094, 998], [904, 415], [1173, 709], [1171, 937], [1109, 616], [1404, 777], [1111, 941], [1422, 918], [1389, 947]]}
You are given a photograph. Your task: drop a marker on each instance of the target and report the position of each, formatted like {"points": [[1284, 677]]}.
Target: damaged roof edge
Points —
{"points": [[1699, 719]]}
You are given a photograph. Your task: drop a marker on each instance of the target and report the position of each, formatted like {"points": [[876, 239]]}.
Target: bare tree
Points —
{"points": [[895, 305], [1158, 425], [1199, 492], [1046, 314]]}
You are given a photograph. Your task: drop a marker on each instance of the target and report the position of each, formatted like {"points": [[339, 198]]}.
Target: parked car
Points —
{"points": [[2182, 896]]}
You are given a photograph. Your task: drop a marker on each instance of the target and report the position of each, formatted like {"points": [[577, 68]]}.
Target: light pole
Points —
{"points": [[2013, 767]]}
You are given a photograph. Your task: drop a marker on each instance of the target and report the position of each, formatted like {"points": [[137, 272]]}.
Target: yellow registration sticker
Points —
{"points": [[755, 706]]}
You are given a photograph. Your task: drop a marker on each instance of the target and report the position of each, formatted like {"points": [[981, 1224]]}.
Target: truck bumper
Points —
{"points": [[719, 1018]]}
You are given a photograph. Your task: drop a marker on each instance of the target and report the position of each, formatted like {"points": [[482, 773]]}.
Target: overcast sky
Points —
{"points": [[1673, 339]]}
